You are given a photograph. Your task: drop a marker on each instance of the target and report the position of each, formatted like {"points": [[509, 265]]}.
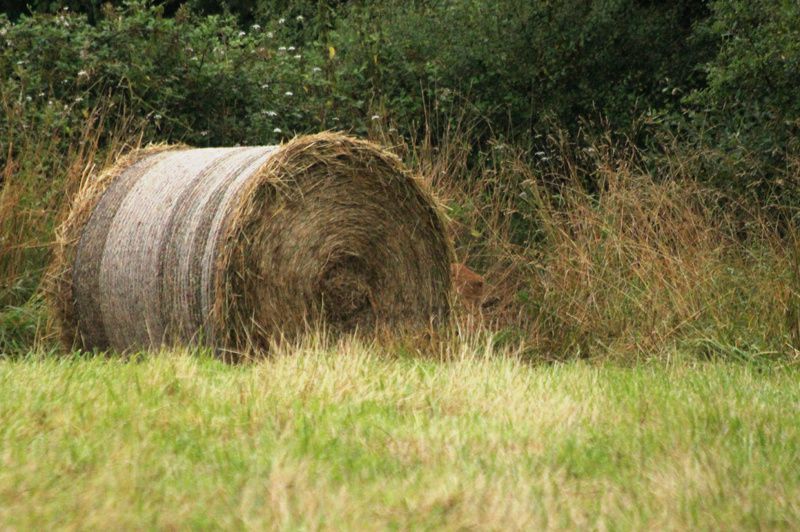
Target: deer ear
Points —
{"points": [[490, 302]]}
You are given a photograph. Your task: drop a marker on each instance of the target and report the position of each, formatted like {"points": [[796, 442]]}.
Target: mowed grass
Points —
{"points": [[356, 437]]}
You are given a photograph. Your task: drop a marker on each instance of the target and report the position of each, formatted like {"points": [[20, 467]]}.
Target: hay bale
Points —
{"points": [[231, 247]]}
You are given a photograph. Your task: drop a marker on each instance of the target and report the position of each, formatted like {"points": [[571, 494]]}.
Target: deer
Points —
{"points": [[468, 285]]}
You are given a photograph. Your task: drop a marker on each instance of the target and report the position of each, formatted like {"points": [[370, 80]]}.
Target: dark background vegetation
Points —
{"points": [[721, 75], [709, 87]]}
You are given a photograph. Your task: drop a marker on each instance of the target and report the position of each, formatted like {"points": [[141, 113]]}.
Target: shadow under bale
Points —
{"points": [[236, 247]]}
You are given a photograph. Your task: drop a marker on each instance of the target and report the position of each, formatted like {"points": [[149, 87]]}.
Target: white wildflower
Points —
{"points": [[82, 74], [265, 86], [376, 117], [291, 48], [288, 93], [281, 48], [242, 34], [316, 69], [271, 113], [255, 27], [298, 56], [300, 18], [157, 116], [78, 99], [281, 20], [28, 98], [277, 130], [270, 35]]}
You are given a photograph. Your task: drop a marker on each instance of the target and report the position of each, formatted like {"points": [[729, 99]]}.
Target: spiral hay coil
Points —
{"points": [[233, 247]]}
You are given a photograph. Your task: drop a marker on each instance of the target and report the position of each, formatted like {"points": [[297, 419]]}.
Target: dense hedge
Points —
{"points": [[199, 79], [721, 75], [750, 106], [523, 63]]}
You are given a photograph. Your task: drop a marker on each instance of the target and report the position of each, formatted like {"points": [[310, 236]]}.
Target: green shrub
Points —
{"points": [[197, 79], [520, 62], [749, 114]]}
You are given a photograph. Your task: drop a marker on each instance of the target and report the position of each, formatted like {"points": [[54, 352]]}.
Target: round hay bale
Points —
{"points": [[236, 247]]}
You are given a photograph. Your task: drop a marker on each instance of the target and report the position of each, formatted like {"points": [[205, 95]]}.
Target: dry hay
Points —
{"points": [[235, 247]]}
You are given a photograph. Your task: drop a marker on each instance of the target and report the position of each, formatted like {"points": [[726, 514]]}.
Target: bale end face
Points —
{"points": [[374, 249]]}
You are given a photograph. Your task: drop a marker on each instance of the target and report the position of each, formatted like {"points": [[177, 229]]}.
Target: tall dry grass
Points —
{"points": [[40, 171], [588, 251]]}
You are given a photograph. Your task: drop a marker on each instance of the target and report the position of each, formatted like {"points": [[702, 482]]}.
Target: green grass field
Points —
{"points": [[353, 437]]}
